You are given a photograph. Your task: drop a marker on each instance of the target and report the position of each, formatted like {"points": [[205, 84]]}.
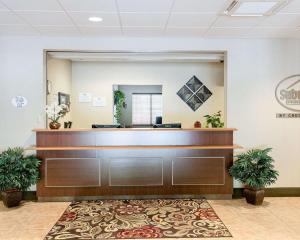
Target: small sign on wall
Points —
{"points": [[85, 97], [19, 101], [99, 102], [287, 94]]}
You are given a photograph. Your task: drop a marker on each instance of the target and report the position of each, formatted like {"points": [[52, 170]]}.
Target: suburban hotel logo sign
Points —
{"points": [[288, 95]]}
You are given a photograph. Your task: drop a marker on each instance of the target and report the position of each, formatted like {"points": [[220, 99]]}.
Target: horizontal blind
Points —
{"points": [[141, 108], [145, 108]]}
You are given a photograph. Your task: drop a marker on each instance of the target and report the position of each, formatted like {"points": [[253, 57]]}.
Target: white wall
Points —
{"points": [[98, 78], [59, 73], [254, 69]]}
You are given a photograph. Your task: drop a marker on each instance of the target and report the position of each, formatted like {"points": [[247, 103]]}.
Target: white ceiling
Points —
{"points": [[143, 18]]}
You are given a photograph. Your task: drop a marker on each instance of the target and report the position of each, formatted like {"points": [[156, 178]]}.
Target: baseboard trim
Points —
{"points": [[271, 192], [129, 197], [237, 193], [27, 195]]}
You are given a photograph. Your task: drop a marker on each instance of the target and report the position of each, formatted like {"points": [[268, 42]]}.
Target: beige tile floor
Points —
{"points": [[277, 219]]}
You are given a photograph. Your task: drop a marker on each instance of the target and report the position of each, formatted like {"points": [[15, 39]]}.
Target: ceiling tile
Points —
{"points": [[9, 18], [58, 30], [144, 19], [101, 31], [143, 31], [2, 7], [213, 6], [282, 20], [227, 32], [185, 32], [273, 32], [144, 5], [89, 5], [227, 21], [292, 7], [46, 18], [33, 5], [17, 30], [82, 18], [191, 20]]}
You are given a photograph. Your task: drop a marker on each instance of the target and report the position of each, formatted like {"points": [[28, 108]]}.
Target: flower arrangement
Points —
{"points": [[55, 112]]}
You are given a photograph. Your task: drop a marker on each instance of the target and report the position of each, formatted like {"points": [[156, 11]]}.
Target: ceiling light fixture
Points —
{"points": [[254, 8], [95, 19]]}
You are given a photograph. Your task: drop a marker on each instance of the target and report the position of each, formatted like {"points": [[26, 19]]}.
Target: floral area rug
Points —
{"points": [[139, 219]]}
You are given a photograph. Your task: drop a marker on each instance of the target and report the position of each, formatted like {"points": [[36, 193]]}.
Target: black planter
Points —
{"points": [[254, 196], [11, 198]]}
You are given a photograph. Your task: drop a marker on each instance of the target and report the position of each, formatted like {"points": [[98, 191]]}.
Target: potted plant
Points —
{"points": [[214, 120], [17, 173], [119, 102], [54, 113], [256, 170]]}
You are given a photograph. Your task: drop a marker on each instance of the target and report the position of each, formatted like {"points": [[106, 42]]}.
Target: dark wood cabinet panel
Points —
{"points": [[138, 171], [65, 139], [198, 171], [159, 138], [80, 172]]}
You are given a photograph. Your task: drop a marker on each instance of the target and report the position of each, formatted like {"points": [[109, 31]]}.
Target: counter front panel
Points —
{"points": [[134, 163]]}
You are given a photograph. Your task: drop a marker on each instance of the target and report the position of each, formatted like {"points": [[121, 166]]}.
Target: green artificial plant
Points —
{"points": [[254, 168], [214, 120], [18, 171], [119, 102]]}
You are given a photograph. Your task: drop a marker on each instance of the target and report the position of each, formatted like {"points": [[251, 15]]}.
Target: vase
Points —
{"points": [[11, 198], [197, 124], [54, 125], [254, 196]]}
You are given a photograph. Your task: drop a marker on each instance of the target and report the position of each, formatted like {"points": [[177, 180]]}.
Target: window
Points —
{"points": [[145, 108]]}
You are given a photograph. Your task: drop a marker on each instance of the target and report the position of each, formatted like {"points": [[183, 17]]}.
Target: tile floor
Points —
{"points": [[277, 219]]}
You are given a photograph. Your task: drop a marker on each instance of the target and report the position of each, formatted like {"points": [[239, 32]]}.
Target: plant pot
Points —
{"points": [[254, 196], [54, 125], [11, 198], [197, 124]]}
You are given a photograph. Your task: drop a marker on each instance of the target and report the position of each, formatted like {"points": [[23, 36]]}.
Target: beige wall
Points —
{"points": [[255, 66], [59, 73], [98, 78]]}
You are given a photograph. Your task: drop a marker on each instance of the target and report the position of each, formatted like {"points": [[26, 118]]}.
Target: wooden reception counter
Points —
{"points": [[109, 163]]}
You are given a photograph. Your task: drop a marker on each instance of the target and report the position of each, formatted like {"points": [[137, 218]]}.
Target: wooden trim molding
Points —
{"points": [[237, 193], [272, 192], [133, 129], [191, 147]]}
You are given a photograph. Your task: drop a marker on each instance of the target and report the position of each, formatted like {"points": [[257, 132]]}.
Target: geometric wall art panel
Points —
{"points": [[194, 93], [203, 93], [194, 102], [194, 84], [184, 93]]}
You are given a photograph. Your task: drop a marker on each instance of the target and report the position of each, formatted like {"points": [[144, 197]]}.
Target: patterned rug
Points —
{"points": [[139, 219]]}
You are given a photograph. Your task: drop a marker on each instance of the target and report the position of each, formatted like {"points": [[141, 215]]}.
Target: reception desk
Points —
{"points": [[134, 163]]}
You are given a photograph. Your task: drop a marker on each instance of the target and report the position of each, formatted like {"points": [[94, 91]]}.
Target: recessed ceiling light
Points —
{"points": [[95, 19], [256, 8]]}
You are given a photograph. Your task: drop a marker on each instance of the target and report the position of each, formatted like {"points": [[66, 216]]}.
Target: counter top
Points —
{"points": [[235, 146], [134, 129]]}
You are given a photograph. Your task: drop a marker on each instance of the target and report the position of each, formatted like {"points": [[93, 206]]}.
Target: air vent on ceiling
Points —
{"points": [[256, 8]]}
